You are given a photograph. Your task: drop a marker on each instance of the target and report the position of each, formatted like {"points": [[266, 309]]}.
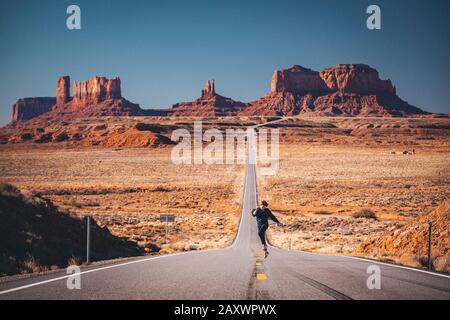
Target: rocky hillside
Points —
{"points": [[95, 132], [28, 108], [208, 105], [342, 90], [408, 245], [36, 236]]}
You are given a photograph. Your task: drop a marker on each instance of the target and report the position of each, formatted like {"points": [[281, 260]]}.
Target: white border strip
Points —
{"points": [[202, 251], [398, 266], [362, 259], [349, 257], [107, 267], [244, 193]]}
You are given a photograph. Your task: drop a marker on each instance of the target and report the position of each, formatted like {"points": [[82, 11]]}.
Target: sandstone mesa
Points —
{"points": [[341, 90]]}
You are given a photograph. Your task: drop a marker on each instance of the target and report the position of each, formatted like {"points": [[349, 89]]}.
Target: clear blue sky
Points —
{"points": [[164, 51]]}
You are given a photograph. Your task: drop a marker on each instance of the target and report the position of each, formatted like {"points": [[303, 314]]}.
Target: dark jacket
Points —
{"points": [[263, 215]]}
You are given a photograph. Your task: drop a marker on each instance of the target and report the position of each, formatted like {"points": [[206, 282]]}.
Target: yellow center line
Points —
{"points": [[261, 276]]}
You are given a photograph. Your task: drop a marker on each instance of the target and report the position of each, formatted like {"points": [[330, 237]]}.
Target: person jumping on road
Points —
{"points": [[263, 214]]}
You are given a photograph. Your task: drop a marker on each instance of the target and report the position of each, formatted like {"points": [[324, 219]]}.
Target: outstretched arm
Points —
{"points": [[272, 216], [254, 212]]}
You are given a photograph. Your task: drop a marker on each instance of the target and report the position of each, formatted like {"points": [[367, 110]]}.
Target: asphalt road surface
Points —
{"points": [[237, 272]]}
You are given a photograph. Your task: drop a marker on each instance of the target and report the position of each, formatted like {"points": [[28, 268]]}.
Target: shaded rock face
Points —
{"points": [[33, 229], [408, 244], [298, 80], [96, 89], [209, 90], [28, 108], [342, 90], [210, 104], [343, 78], [63, 90], [356, 78], [98, 96]]}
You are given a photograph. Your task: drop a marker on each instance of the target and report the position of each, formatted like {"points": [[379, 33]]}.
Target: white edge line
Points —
{"points": [[398, 266], [244, 192], [202, 251], [105, 268], [141, 260], [362, 259], [350, 257]]}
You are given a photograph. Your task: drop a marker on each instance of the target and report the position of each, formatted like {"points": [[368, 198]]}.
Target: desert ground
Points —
{"points": [[127, 190], [337, 188], [341, 181], [318, 189]]}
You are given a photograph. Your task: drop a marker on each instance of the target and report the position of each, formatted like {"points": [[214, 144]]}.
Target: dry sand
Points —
{"points": [[330, 169], [127, 189]]}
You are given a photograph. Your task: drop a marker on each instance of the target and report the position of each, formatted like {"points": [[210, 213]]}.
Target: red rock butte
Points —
{"points": [[98, 96], [209, 104], [342, 90]]}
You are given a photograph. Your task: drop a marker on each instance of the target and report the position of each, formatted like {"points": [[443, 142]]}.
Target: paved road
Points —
{"points": [[237, 272]]}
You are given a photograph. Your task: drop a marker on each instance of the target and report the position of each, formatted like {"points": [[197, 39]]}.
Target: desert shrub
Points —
{"points": [[26, 136], [441, 263], [410, 259], [161, 189], [74, 203], [423, 261], [80, 204], [44, 138], [100, 127], [91, 203], [323, 212], [31, 265], [36, 236], [130, 190], [74, 261], [156, 128], [365, 213], [61, 137], [7, 188]]}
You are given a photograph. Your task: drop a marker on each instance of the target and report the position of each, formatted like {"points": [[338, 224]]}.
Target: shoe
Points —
{"points": [[266, 253]]}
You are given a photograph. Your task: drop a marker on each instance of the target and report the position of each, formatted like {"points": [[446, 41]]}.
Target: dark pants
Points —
{"points": [[262, 227]]}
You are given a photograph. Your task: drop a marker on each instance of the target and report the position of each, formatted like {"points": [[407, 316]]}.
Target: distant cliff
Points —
{"points": [[209, 104], [28, 108], [342, 90], [98, 96]]}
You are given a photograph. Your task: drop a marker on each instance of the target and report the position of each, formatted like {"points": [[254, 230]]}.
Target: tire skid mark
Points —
{"points": [[320, 286]]}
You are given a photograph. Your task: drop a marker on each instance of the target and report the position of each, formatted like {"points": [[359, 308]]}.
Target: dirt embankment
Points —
{"points": [[36, 236], [408, 245]]}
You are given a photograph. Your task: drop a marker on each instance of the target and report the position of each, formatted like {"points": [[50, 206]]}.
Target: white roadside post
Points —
{"points": [[88, 238], [430, 229], [167, 218]]}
